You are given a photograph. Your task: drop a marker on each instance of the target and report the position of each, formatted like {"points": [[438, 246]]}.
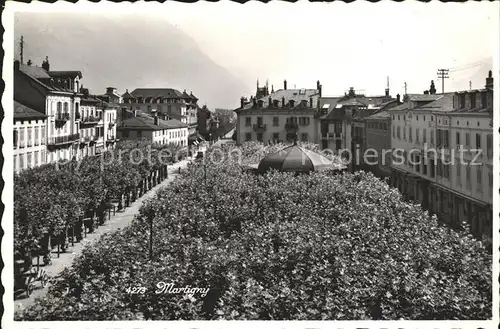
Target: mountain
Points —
{"points": [[126, 52]]}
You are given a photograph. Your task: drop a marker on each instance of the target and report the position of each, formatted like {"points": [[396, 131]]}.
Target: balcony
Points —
{"points": [[111, 125], [87, 139], [291, 127], [90, 120], [61, 118], [61, 140], [259, 127], [77, 116]]}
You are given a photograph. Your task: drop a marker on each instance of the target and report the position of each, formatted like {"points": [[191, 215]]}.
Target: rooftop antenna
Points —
{"points": [[470, 85], [21, 43]]}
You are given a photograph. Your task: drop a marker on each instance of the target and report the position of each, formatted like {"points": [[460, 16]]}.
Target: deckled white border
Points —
{"points": [[7, 195]]}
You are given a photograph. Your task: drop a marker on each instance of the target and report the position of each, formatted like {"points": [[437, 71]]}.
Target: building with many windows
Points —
{"points": [[444, 159], [283, 115], [154, 129], [55, 94], [30, 142], [464, 190]]}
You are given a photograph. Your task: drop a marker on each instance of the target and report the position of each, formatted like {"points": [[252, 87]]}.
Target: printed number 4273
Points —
{"points": [[136, 290]]}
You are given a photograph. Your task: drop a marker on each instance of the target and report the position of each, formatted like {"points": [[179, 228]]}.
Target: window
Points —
{"points": [[410, 137], [416, 117], [478, 141], [304, 137], [457, 139], [424, 137], [467, 140], [30, 142], [473, 101], [393, 131], [424, 167], [489, 145], [59, 109], [417, 133], [459, 173], [37, 155], [28, 160], [462, 101], [399, 132], [37, 134], [479, 172], [21, 161], [66, 108], [248, 121], [248, 137], [432, 169], [338, 127], [467, 175], [432, 137], [259, 137], [484, 100], [276, 137], [42, 137], [276, 121], [15, 162], [15, 139], [43, 157]]}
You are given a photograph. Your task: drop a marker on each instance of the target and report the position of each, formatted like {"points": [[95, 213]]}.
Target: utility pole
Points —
{"points": [[21, 43], [442, 74]]}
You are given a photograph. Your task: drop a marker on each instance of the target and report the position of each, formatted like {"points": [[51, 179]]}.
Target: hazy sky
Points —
{"points": [[342, 45]]}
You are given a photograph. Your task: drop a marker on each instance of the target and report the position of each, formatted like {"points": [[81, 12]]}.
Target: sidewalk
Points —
{"points": [[118, 221]]}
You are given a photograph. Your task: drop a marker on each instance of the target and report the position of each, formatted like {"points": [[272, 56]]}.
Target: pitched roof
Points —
{"points": [[400, 107], [296, 95], [156, 92], [380, 115], [65, 74], [34, 71], [443, 103], [144, 123], [193, 96], [22, 111], [185, 95], [127, 95], [423, 97]]}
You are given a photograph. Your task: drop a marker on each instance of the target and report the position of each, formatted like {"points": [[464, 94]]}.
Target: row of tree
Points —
{"points": [[277, 246], [52, 201]]}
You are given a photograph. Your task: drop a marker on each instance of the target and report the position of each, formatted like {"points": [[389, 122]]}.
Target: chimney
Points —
{"points": [[156, 119], [489, 80], [398, 98], [284, 84], [29, 62], [426, 92], [432, 90], [283, 101], [254, 102], [310, 102], [270, 102], [292, 103], [242, 102], [387, 92], [45, 64], [17, 64], [318, 85], [320, 89]]}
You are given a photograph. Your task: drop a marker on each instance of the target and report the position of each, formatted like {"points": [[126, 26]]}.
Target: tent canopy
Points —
{"points": [[297, 159]]}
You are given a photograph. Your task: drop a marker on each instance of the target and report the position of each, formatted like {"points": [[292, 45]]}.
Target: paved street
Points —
{"points": [[118, 221]]}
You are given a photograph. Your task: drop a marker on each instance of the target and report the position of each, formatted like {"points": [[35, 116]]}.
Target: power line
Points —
{"points": [[442, 74], [468, 66]]}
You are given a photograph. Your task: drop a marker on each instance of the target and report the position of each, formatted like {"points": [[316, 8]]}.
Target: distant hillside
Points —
{"points": [[126, 51]]}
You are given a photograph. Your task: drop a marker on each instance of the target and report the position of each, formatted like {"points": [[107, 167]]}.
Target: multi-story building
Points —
{"points": [[30, 128], [55, 94], [90, 117], [463, 191], [286, 114], [154, 129], [428, 133], [378, 141], [110, 111], [167, 103], [342, 122]]}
